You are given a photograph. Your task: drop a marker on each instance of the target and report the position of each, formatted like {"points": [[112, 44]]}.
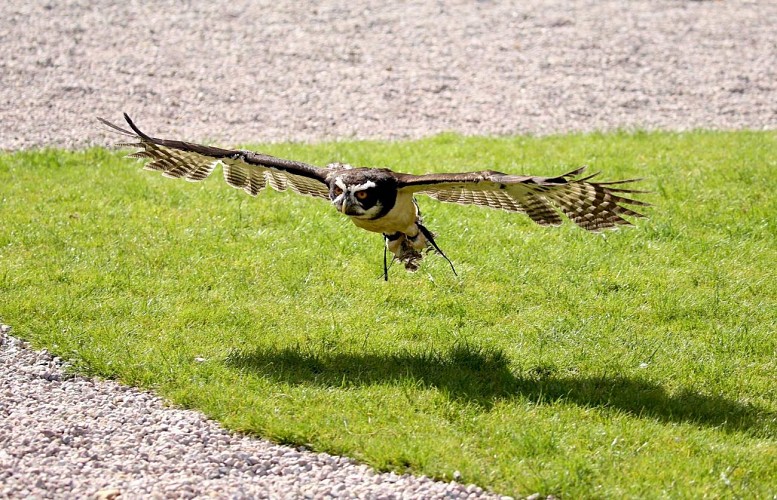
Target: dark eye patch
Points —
{"points": [[366, 197]]}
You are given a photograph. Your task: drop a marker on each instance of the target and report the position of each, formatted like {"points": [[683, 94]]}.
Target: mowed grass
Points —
{"points": [[637, 363]]}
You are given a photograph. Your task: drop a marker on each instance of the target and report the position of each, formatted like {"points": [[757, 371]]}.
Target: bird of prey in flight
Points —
{"points": [[383, 201]]}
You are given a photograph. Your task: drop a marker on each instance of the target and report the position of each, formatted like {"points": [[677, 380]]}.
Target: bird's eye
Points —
{"points": [[361, 195], [338, 191]]}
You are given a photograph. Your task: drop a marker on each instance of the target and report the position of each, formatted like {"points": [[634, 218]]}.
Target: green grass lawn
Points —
{"points": [[637, 363]]}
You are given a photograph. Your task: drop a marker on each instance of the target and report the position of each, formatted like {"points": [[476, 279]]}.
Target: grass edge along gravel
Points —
{"points": [[633, 363]]}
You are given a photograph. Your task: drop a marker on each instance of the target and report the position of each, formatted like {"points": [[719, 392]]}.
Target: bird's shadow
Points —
{"points": [[482, 377]]}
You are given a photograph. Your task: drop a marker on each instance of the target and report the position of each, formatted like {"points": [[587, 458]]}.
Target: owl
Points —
{"points": [[382, 201]]}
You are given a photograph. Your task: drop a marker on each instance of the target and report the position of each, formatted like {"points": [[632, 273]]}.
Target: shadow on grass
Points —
{"points": [[474, 375]]}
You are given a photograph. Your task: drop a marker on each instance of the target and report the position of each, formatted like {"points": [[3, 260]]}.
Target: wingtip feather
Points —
{"points": [[114, 127], [575, 172], [135, 128]]}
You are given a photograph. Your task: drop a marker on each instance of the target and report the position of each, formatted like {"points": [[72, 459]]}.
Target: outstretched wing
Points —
{"points": [[244, 170], [591, 205]]}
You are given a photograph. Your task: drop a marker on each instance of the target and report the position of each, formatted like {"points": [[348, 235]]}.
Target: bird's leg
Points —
{"points": [[385, 252], [430, 237], [388, 238]]}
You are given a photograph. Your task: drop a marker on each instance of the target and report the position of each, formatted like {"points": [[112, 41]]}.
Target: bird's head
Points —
{"points": [[362, 193]]}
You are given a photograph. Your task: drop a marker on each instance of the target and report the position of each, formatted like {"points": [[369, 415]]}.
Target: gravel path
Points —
{"points": [[248, 71]]}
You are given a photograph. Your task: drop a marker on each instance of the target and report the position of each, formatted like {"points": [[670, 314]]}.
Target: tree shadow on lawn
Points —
{"points": [[475, 375]]}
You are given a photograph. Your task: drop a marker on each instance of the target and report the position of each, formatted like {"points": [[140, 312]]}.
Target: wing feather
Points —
{"points": [[591, 205], [244, 170]]}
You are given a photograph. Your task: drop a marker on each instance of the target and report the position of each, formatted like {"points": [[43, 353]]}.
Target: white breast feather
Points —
{"points": [[401, 218]]}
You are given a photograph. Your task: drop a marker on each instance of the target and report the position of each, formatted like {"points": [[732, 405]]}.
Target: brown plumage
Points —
{"points": [[383, 201], [591, 205]]}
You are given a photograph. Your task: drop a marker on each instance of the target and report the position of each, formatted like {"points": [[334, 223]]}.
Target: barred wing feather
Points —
{"points": [[244, 170], [591, 205]]}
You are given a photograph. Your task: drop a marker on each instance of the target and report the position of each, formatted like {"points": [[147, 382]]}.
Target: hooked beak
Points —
{"points": [[344, 205]]}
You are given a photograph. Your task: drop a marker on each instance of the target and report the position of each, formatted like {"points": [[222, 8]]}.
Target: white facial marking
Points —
{"points": [[362, 187], [340, 198], [372, 211]]}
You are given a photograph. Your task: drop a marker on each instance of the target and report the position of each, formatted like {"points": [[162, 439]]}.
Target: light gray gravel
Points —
{"points": [[251, 71], [73, 437], [247, 71]]}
